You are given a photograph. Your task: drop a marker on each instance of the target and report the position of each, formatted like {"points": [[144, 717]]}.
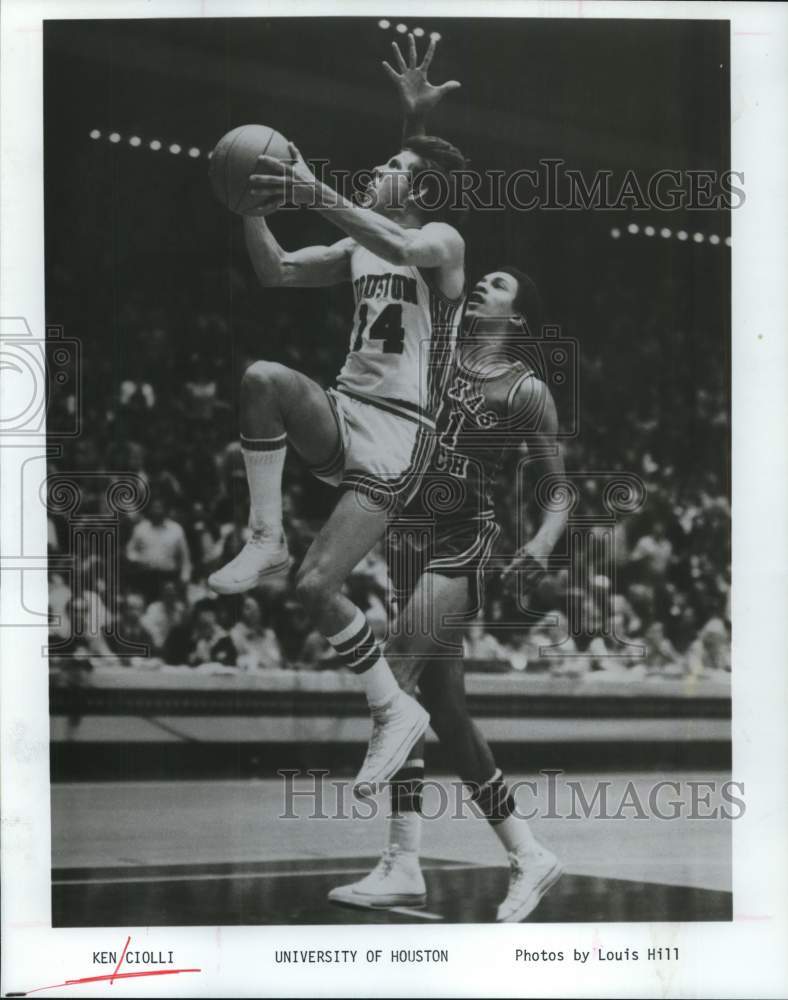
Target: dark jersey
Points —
{"points": [[476, 424]]}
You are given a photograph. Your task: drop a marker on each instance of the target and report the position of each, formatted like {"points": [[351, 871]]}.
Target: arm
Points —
{"points": [[435, 245], [416, 94], [533, 396], [184, 557], [311, 267]]}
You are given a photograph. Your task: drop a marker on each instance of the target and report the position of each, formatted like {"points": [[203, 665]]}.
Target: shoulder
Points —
{"points": [[447, 235], [531, 405]]}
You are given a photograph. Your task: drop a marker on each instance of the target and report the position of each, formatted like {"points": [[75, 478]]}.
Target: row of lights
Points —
{"points": [[681, 234], [155, 144], [403, 28]]}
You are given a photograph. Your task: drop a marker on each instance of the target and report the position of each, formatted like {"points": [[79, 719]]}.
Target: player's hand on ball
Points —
{"points": [[274, 183], [530, 564], [417, 94]]}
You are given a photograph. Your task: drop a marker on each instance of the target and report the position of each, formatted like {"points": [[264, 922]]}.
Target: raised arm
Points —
{"points": [[435, 245], [534, 399], [417, 95], [310, 267]]}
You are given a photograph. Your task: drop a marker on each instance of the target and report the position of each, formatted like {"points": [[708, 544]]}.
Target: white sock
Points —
{"points": [[264, 459], [515, 834], [356, 648], [380, 685], [405, 832]]}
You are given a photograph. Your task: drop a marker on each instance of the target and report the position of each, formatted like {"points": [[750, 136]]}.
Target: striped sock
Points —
{"points": [[356, 648], [264, 459], [496, 804], [404, 828]]}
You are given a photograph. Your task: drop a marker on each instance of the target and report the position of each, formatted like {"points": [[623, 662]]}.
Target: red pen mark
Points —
{"points": [[122, 956], [110, 978], [115, 975]]}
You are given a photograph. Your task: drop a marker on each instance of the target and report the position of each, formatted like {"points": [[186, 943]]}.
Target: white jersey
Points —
{"points": [[403, 338]]}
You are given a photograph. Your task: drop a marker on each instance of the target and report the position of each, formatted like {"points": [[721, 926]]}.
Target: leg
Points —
{"points": [[277, 405], [277, 401], [349, 533], [425, 634], [533, 868], [442, 687]]}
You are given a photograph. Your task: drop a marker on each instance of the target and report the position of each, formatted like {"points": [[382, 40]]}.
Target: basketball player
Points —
{"points": [[372, 435], [494, 400]]}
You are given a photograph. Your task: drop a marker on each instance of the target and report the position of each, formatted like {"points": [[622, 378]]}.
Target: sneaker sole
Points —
{"points": [[531, 902], [249, 583], [356, 902], [366, 788]]}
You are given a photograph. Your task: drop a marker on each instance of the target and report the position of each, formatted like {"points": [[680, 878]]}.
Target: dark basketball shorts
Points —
{"points": [[452, 547]]}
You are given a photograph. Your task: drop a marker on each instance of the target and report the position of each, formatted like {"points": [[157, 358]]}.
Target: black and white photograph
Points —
{"points": [[379, 440]]}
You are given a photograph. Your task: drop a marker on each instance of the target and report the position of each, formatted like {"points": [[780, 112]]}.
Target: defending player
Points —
{"points": [[372, 435], [494, 400]]}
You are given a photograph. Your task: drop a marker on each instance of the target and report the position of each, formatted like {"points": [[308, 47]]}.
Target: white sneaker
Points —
{"points": [[396, 726], [396, 880], [263, 557], [533, 872]]}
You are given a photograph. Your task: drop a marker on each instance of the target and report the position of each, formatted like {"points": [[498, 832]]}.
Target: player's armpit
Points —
{"points": [[315, 267]]}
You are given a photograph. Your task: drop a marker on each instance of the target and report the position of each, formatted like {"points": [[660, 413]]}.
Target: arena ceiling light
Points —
{"points": [[136, 141], [666, 233]]}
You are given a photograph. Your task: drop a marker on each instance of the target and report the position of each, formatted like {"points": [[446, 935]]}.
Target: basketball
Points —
{"points": [[234, 159]]}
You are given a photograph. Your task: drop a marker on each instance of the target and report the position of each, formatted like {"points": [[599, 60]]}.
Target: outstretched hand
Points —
{"points": [[417, 95], [275, 182]]}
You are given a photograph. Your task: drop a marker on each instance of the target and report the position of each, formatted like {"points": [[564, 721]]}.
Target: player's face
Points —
{"points": [[493, 295], [391, 182]]}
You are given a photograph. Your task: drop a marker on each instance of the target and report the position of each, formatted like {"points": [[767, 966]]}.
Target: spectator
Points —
{"points": [[202, 641], [710, 653], [163, 615], [661, 658], [652, 554], [158, 551], [256, 644]]}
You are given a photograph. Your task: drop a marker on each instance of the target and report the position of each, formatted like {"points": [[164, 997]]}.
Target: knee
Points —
{"points": [[264, 377], [314, 589]]}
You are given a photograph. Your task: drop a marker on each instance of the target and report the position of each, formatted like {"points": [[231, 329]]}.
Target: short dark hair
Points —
{"points": [[439, 157], [527, 302]]}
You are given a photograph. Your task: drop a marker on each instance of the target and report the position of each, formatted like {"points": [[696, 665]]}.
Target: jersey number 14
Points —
{"points": [[386, 328]]}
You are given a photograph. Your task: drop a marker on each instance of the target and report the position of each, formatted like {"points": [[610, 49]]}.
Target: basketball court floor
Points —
{"points": [[191, 853]]}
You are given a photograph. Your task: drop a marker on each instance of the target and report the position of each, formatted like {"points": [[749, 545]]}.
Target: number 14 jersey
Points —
{"points": [[403, 338]]}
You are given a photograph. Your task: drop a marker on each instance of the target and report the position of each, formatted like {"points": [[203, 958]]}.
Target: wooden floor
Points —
{"points": [[220, 853]]}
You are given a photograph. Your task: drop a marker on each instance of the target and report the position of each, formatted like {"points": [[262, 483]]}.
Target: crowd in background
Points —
{"points": [[162, 405]]}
